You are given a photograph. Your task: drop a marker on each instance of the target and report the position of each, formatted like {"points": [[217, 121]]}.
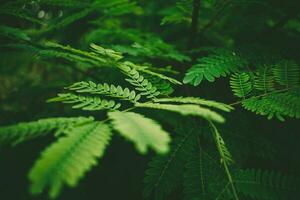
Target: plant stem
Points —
{"points": [[194, 23], [224, 162]]}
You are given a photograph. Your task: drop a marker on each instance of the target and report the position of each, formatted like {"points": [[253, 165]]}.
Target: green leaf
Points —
{"points": [[25, 131], [144, 132], [221, 63], [198, 101], [186, 109], [240, 84], [66, 161]]}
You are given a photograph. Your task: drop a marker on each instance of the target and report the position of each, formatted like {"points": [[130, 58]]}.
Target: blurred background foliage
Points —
{"points": [[154, 33]]}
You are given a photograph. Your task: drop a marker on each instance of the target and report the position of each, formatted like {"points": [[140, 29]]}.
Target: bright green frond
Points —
{"points": [[105, 89], [221, 63], [14, 33], [141, 84], [144, 132], [225, 155], [240, 84], [271, 90], [186, 109], [90, 103], [66, 161], [196, 100], [24, 131]]}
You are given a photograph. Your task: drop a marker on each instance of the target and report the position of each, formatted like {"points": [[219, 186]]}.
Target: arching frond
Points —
{"points": [[105, 89], [225, 155], [14, 33], [263, 79], [141, 84], [66, 161], [144, 132], [271, 90], [240, 84], [162, 85], [186, 109], [221, 63], [90, 103], [106, 52], [24, 131], [197, 101], [276, 104]]}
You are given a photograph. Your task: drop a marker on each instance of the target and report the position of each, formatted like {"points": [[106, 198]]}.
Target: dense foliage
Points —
{"points": [[207, 91]]}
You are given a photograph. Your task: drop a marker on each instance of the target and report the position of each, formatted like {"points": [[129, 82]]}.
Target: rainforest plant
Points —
{"points": [[207, 91]]}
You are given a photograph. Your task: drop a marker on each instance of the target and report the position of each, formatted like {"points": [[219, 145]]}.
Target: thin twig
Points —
{"points": [[194, 23]]}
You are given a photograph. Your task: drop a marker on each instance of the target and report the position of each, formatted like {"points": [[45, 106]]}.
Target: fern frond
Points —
{"points": [[144, 132], [262, 184], [225, 155], [197, 101], [106, 52], [146, 70], [141, 84], [66, 161], [201, 172], [15, 134], [186, 109], [61, 49], [263, 79], [164, 172], [14, 33], [271, 91], [286, 73], [221, 63], [276, 104], [89, 103], [163, 86], [240, 84], [105, 89]]}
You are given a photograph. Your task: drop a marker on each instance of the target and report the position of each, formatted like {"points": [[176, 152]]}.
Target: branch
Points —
{"points": [[194, 24]]}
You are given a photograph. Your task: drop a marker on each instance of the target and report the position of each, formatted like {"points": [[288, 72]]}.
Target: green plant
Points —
{"points": [[119, 75]]}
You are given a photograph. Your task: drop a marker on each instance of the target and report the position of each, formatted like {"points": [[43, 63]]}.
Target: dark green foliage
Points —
{"points": [[220, 63], [118, 66], [271, 90], [240, 84], [164, 172], [260, 184]]}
